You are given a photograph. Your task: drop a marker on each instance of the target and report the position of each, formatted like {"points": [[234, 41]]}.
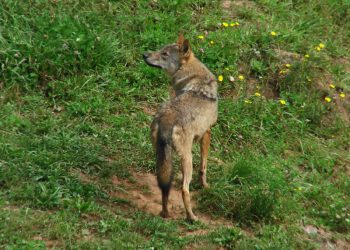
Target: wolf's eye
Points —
{"points": [[165, 54]]}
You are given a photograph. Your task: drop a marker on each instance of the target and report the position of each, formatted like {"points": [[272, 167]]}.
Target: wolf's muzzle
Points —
{"points": [[147, 55]]}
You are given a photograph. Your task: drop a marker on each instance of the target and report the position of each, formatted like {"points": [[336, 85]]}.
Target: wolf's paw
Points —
{"points": [[205, 185], [192, 218], [164, 214], [203, 181]]}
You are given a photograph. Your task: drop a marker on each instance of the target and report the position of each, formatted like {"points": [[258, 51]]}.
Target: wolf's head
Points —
{"points": [[170, 57]]}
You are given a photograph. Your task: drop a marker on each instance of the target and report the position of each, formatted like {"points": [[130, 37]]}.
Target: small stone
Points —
{"points": [[310, 229]]}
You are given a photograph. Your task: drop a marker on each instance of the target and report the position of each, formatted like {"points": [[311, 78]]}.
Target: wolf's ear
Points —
{"points": [[180, 40], [186, 48]]}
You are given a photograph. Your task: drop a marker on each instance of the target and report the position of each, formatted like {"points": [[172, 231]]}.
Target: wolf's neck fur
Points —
{"points": [[194, 77]]}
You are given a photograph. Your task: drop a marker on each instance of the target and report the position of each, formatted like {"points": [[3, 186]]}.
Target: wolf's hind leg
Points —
{"points": [[187, 176], [165, 198], [182, 142]]}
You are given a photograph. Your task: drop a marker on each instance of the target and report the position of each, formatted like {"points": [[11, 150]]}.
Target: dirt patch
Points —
{"points": [[237, 9], [48, 243], [146, 196], [343, 107], [345, 62], [287, 56], [227, 5], [325, 239], [87, 179], [198, 232]]}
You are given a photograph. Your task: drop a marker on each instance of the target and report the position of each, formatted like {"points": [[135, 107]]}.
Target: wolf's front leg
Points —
{"points": [[154, 133], [205, 144]]}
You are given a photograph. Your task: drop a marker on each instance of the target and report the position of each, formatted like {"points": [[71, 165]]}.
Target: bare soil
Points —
{"points": [[145, 195]]}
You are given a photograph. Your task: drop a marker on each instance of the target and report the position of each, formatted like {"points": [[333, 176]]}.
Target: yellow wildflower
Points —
{"points": [[201, 37], [220, 78], [232, 24], [212, 42], [288, 65], [342, 95], [327, 99], [272, 33], [282, 102], [332, 86], [240, 77], [237, 23], [225, 24], [307, 56], [247, 101], [257, 94], [283, 72], [321, 45], [318, 48]]}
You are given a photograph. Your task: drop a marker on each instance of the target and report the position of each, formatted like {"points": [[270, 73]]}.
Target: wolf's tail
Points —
{"points": [[164, 164]]}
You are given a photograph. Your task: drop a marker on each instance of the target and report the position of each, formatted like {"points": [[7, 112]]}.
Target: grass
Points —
{"points": [[73, 95]]}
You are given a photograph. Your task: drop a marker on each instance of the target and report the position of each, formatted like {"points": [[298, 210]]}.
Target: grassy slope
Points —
{"points": [[73, 90]]}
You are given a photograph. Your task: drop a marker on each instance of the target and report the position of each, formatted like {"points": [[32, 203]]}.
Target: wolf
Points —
{"points": [[187, 117]]}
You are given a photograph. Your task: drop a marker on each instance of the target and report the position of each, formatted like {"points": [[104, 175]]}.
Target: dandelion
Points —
{"points": [[342, 95], [212, 42], [232, 24], [257, 94], [321, 45], [220, 78], [201, 37], [288, 65], [225, 24], [283, 72], [282, 102], [307, 56], [318, 48], [332, 86], [247, 101], [272, 33], [240, 77], [327, 99]]}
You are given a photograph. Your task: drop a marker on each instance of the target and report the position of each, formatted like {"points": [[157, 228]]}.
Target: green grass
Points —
{"points": [[73, 90]]}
